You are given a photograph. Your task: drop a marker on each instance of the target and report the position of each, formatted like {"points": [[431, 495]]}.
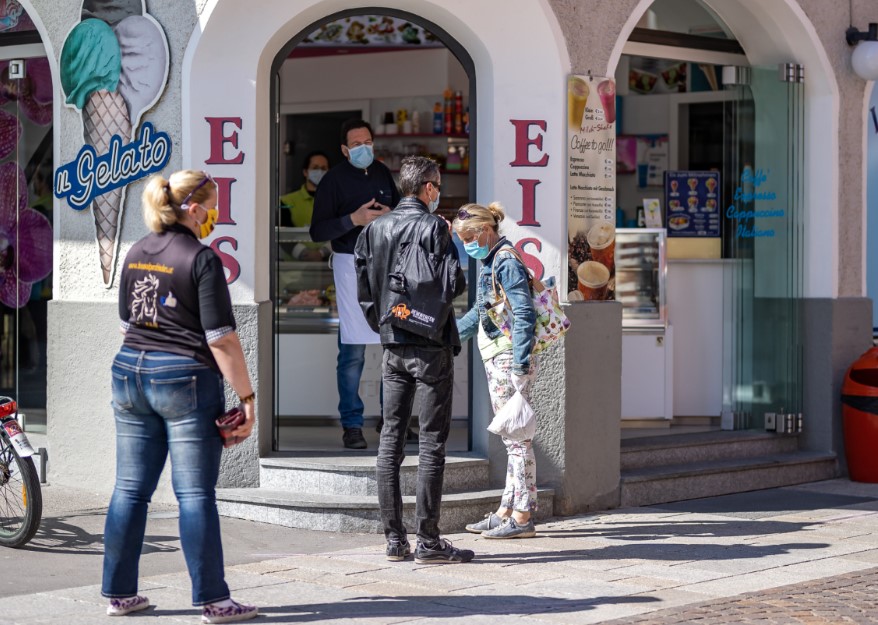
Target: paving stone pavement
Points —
{"points": [[805, 554], [850, 598]]}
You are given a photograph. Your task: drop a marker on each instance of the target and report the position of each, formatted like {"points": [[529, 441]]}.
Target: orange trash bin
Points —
{"points": [[859, 399]]}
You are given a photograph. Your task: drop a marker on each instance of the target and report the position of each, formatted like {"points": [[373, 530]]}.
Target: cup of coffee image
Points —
{"points": [[594, 278], [601, 239], [607, 93], [577, 96]]}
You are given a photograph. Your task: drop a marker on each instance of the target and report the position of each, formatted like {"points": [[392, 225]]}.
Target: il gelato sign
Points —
{"points": [[114, 68]]}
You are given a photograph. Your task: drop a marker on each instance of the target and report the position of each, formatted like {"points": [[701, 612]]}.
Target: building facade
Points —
{"points": [[223, 86]]}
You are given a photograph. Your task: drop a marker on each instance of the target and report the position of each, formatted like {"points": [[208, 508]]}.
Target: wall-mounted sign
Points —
{"points": [[591, 188], [692, 199], [114, 68], [370, 31]]}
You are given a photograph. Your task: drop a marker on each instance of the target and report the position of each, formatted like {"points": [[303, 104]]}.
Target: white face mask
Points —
{"points": [[432, 206], [316, 175]]}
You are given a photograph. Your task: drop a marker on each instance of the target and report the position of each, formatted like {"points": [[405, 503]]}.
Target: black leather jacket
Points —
{"points": [[375, 256]]}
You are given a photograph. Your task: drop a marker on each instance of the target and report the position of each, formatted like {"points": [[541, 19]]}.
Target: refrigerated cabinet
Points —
{"points": [[647, 337]]}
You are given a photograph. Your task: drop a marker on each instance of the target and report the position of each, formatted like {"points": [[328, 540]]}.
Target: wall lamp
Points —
{"points": [[865, 56]]}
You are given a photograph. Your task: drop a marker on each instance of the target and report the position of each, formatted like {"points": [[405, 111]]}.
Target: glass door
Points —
{"points": [[763, 235], [25, 231]]}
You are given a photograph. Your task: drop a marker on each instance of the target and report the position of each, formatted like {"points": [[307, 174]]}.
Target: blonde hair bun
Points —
{"points": [[496, 210]]}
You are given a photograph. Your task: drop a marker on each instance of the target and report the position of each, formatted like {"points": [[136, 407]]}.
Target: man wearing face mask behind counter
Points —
{"points": [[351, 195], [297, 207]]}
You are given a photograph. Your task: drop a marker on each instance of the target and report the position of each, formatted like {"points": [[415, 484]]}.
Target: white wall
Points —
{"points": [[513, 82]]}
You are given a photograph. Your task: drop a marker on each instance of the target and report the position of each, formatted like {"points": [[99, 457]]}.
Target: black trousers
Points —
{"points": [[405, 369]]}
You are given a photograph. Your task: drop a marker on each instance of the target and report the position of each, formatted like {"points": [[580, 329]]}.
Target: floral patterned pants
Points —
{"points": [[521, 467]]}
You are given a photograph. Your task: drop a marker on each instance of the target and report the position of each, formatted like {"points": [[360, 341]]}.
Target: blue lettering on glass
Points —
{"points": [[874, 118], [90, 175], [752, 179]]}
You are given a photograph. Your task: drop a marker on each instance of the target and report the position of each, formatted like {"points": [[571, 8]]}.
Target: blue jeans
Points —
{"points": [[165, 403], [348, 371]]}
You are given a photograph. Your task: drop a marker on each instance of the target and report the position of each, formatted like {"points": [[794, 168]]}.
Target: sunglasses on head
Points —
{"points": [[207, 178], [464, 214]]}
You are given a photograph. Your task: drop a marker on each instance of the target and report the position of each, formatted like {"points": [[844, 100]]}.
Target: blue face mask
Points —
{"points": [[361, 156], [476, 251]]}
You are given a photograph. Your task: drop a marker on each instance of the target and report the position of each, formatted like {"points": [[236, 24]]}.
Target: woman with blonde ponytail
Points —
{"points": [[167, 380], [509, 363]]}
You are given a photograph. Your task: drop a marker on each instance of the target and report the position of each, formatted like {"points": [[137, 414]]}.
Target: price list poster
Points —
{"points": [[591, 188]]}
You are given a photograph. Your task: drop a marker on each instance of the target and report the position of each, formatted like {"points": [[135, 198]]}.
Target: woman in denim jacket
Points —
{"points": [[509, 363]]}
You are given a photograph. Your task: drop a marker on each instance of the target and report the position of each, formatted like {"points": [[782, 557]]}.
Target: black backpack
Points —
{"points": [[421, 292]]}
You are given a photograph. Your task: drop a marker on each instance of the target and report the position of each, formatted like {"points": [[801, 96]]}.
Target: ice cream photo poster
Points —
{"points": [[114, 68]]}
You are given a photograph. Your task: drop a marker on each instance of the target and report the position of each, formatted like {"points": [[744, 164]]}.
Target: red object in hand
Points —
{"points": [[227, 423]]}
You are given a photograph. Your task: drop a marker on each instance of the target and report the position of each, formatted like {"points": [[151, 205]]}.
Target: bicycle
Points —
{"points": [[21, 500]]}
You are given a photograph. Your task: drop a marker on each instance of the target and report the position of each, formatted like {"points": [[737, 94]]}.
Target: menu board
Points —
{"points": [[591, 188], [692, 201]]}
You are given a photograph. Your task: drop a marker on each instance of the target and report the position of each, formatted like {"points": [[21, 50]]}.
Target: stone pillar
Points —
{"points": [[578, 399], [835, 333]]}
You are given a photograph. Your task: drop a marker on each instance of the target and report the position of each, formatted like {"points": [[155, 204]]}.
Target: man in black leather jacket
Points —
{"points": [[413, 361]]}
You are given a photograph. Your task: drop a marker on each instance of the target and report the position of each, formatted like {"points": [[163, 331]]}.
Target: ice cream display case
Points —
{"points": [[641, 271], [305, 292]]}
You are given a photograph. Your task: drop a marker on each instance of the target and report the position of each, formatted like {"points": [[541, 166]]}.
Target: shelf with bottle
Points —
{"points": [[421, 135]]}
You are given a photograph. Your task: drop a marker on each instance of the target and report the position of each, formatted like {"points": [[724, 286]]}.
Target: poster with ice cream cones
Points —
{"points": [[591, 188], [114, 68]]}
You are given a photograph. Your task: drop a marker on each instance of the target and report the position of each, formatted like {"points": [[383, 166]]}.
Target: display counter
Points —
{"points": [[306, 322], [305, 288], [647, 339]]}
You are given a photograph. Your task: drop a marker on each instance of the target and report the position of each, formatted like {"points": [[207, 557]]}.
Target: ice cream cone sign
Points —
{"points": [[114, 68]]}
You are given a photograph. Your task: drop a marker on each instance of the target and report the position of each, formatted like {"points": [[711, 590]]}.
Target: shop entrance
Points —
{"points": [[25, 213], [719, 145], [415, 86]]}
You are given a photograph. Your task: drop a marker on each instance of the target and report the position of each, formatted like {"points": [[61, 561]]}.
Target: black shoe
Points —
{"points": [[397, 551], [353, 438], [443, 552]]}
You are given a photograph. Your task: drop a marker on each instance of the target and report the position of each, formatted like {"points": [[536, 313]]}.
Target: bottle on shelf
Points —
{"points": [[416, 122], [458, 112], [466, 121], [437, 118], [448, 120]]}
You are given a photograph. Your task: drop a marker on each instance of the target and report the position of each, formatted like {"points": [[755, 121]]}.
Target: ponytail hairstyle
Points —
{"points": [[472, 217], [162, 198]]}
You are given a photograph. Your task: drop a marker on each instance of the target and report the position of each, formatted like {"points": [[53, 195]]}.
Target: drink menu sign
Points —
{"points": [[591, 188], [692, 201]]}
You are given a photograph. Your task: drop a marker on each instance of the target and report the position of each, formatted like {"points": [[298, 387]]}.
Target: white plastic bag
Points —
{"points": [[515, 420]]}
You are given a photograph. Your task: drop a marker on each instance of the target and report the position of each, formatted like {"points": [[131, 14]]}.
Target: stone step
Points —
{"points": [[354, 474], [664, 484], [675, 449], [356, 513]]}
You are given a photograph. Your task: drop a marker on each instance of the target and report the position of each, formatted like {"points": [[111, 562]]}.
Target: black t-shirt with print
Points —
{"points": [[173, 289]]}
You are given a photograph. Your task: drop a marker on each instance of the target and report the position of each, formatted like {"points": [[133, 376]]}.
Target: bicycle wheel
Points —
{"points": [[21, 501]]}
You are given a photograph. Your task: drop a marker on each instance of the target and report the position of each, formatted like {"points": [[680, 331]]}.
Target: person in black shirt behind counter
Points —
{"points": [[351, 195]]}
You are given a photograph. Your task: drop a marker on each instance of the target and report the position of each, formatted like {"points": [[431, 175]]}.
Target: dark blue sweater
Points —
{"points": [[341, 192]]}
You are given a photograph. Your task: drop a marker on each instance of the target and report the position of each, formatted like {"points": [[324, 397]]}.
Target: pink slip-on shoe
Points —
{"points": [[230, 614], [121, 607]]}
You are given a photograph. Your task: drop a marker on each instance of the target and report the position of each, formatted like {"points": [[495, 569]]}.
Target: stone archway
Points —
{"points": [[226, 127]]}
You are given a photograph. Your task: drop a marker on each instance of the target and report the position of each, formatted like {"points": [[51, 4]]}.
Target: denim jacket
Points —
{"points": [[513, 277]]}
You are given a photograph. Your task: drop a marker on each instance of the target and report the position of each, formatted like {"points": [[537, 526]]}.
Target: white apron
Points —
{"points": [[352, 324]]}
